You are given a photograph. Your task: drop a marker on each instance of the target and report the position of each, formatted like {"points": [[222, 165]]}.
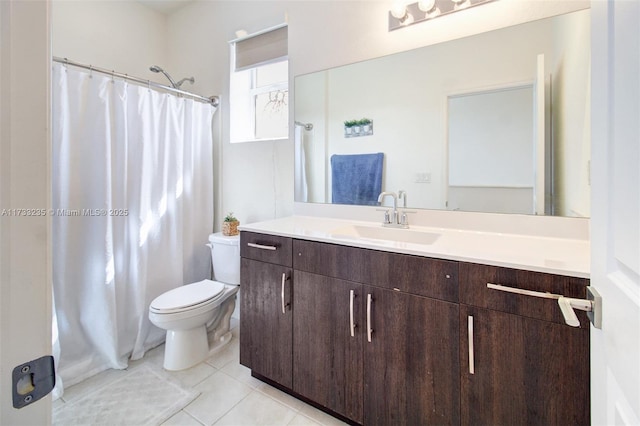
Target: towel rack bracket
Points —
{"points": [[595, 315]]}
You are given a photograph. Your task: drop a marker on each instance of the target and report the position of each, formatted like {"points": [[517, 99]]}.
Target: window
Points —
{"points": [[259, 87]]}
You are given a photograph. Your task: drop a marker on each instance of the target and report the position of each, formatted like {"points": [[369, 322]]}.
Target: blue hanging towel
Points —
{"points": [[356, 179]]}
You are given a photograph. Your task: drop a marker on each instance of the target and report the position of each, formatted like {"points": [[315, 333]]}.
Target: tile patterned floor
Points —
{"points": [[228, 393]]}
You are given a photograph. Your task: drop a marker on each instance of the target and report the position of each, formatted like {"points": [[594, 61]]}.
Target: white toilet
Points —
{"points": [[187, 312]]}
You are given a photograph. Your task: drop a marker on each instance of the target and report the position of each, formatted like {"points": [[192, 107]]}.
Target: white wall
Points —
{"points": [[123, 36], [572, 123], [325, 34], [256, 179]]}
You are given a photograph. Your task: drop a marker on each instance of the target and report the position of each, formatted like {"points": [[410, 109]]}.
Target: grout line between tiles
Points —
{"points": [[234, 405]]}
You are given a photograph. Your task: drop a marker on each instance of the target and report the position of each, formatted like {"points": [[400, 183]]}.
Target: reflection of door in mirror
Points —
{"points": [[491, 151]]}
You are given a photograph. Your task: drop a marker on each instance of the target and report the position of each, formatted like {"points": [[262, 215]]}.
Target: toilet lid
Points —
{"points": [[188, 295]]}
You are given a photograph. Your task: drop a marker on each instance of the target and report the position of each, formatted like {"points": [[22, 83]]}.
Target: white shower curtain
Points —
{"points": [[133, 207]]}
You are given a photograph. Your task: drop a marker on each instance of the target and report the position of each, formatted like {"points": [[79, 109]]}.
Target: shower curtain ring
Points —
{"points": [[112, 76], [90, 71]]}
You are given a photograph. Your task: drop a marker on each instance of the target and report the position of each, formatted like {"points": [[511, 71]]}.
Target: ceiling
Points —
{"points": [[165, 6]]}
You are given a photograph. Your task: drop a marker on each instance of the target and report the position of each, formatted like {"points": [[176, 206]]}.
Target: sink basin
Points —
{"points": [[380, 233]]}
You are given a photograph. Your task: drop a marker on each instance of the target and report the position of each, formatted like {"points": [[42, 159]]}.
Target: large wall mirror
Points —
{"points": [[497, 122]]}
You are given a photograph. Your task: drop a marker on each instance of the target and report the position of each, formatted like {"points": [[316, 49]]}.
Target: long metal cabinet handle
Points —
{"points": [[284, 278], [369, 329], [262, 247], [472, 368], [352, 324], [523, 291]]}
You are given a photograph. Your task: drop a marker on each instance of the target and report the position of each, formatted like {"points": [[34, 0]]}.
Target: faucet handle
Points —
{"points": [[404, 220], [387, 216]]}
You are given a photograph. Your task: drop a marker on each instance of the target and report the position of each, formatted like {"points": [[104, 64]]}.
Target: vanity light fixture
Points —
{"points": [[403, 13], [400, 13]]}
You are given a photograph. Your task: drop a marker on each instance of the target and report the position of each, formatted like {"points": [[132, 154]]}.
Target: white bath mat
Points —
{"points": [[143, 396]]}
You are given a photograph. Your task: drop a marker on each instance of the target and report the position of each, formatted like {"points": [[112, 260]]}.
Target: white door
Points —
{"points": [[25, 290], [615, 221]]}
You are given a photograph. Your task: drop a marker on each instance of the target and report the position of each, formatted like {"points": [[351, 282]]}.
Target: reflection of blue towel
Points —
{"points": [[356, 179]]}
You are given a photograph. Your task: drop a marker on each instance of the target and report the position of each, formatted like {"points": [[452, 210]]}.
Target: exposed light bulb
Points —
{"points": [[398, 9], [407, 19], [460, 4], [426, 5], [432, 13]]}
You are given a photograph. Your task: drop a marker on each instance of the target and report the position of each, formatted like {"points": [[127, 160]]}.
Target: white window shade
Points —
{"points": [[262, 48]]}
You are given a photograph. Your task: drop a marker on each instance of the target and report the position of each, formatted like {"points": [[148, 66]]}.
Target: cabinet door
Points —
{"points": [[327, 358], [411, 363], [522, 370], [265, 330]]}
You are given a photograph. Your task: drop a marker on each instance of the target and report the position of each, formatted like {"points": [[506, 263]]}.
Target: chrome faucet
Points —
{"points": [[387, 219], [394, 219], [402, 195]]}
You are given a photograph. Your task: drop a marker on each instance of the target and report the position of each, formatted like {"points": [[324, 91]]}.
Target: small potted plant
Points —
{"points": [[348, 126], [366, 125], [230, 225]]}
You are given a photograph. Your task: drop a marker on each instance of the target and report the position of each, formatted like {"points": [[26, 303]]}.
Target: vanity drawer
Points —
{"points": [[474, 291], [410, 274], [266, 248]]}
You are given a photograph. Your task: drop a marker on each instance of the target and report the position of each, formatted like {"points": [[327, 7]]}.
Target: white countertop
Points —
{"points": [[562, 256]]}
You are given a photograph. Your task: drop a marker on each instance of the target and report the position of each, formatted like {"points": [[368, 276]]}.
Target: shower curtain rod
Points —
{"points": [[213, 100]]}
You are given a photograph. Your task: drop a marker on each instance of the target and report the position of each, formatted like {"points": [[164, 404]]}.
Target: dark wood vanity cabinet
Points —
{"points": [[442, 347], [327, 356], [405, 370], [266, 324], [520, 363], [411, 367]]}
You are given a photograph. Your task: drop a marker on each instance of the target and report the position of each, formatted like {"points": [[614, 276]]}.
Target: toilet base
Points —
{"points": [[219, 343], [185, 348]]}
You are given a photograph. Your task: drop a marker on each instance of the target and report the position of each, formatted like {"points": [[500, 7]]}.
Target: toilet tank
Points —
{"points": [[225, 257]]}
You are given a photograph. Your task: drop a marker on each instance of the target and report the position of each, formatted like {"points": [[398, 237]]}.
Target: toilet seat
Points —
{"points": [[187, 297]]}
